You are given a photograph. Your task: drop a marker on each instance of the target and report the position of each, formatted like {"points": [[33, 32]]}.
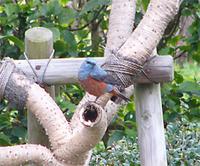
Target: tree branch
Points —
{"points": [[23, 154], [141, 43], [89, 121]]}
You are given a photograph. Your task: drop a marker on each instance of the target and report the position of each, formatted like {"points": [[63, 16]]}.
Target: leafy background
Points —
{"points": [[79, 29]]}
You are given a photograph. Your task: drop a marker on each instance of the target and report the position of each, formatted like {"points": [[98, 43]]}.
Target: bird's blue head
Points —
{"points": [[86, 67], [90, 61]]}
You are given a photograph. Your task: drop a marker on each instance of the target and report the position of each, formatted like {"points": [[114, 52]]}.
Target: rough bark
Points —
{"points": [[146, 36], [121, 23], [22, 154]]}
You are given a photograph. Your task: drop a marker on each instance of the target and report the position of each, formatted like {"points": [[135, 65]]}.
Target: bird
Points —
{"points": [[94, 80]]}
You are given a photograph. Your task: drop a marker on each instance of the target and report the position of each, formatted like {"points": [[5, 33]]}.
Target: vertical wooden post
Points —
{"points": [[38, 45], [150, 125]]}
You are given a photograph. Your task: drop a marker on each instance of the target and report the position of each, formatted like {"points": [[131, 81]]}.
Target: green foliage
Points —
{"points": [[182, 147], [15, 40], [93, 4], [145, 4], [123, 152], [183, 143], [124, 124], [69, 26], [13, 128], [69, 98], [181, 98], [190, 43]]}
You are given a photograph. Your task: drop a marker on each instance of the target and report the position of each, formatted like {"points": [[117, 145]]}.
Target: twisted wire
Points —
{"points": [[40, 80]]}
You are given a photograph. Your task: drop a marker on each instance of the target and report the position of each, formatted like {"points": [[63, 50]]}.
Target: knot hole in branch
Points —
{"points": [[91, 114]]}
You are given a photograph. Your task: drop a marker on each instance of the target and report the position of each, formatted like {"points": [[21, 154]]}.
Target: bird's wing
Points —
{"points": [[98, 73], [109, 79], [121, 95]]}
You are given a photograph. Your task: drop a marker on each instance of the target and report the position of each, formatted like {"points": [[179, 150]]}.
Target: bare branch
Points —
{"points": [[23, 154]]}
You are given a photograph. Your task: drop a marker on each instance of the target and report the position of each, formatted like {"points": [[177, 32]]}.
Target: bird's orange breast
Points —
{"points": [[94, 87]]}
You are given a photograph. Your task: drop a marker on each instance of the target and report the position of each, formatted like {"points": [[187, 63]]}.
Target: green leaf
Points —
{"points": [[56, 33], [50, 8], [19, 43], [60, 46], [1, 9], [5, 121], [66, 105], [19, 132], [145, 4], [130, 116], [166, 51], [130, 106], [131, 132], [11, 9], [198, 14], [4, 140], [93, 4], [71, 43], [174, 40], [196, 56], [67, 16], [178, 77], [64, 2], [186, 12], [191, 87], [115, 136]]}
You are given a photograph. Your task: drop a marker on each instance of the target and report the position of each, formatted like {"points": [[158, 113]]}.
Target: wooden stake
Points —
{"points": [[149, 118], [38, 45]]}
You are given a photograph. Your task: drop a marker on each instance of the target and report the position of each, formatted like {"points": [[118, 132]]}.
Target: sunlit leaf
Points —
{"points": [[11, 9], [19, 43]]}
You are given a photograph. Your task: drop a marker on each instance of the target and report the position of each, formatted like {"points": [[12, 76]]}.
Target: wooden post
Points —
{"points": [[150, 125], [38, 45]]}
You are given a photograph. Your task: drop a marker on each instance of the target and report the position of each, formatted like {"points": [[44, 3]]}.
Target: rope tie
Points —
{"points": [[6, 69], [124, 69]]}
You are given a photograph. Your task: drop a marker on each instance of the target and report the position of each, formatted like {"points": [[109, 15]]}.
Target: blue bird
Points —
{"points": [[94, 80]]}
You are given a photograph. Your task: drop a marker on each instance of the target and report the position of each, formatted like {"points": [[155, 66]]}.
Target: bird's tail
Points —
{"points": [[119, 94]]}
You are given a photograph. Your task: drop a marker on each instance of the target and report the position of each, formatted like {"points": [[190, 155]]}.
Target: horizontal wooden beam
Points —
{"points": [[62, 71]]}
